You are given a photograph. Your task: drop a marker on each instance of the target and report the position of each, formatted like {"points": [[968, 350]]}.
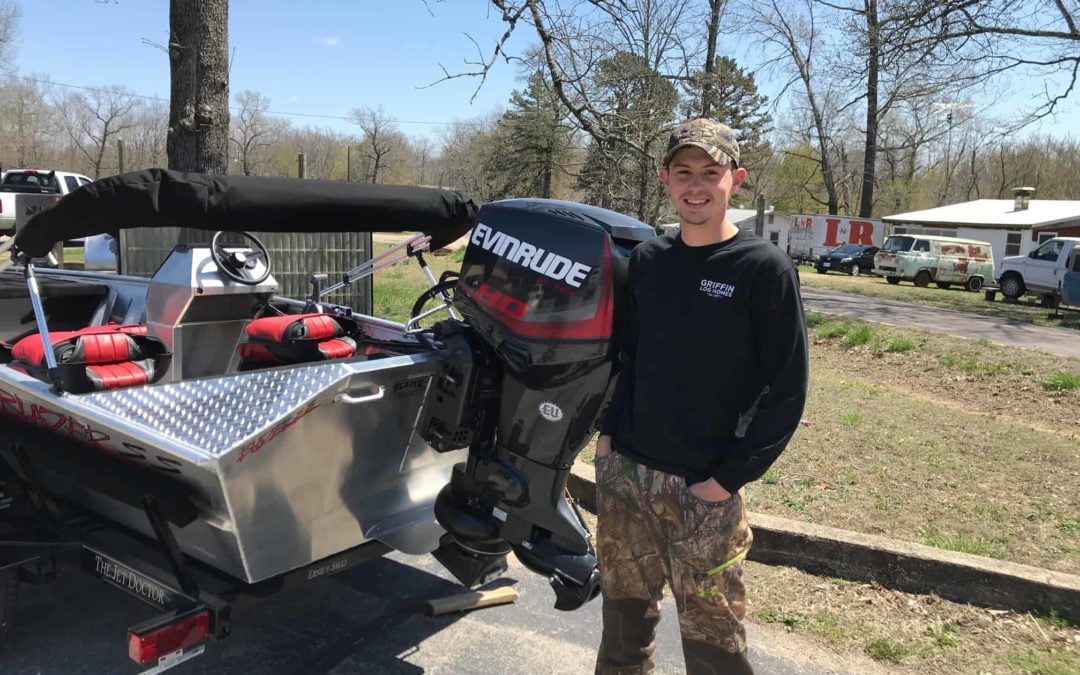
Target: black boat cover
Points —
{"points": [[163, 198]]}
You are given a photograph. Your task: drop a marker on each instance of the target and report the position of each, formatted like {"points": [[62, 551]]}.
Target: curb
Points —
{"points": [[900, 565]]}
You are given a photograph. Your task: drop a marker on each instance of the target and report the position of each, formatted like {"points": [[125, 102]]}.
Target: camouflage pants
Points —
{"points": [[652, 530]]}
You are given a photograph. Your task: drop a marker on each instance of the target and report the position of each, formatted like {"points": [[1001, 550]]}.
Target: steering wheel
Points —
{"points": [[447, 283], [239, 265]]}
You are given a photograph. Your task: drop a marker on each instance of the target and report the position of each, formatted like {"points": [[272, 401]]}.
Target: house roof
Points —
{"points": [[994, 213], [737, 216], [947, 240]]}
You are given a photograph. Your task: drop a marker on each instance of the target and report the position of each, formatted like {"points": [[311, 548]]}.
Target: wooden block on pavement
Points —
{"points": [[472, 600]]}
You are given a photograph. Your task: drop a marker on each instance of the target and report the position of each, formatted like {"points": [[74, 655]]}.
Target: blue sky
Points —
{"points": [[321, 57], [325, 57]]}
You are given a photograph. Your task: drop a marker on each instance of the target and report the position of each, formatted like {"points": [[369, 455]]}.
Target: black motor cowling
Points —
{"points": [[541, 289]]}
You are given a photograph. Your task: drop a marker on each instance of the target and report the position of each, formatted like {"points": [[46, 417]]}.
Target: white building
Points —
{"points": [[1012, 226]]}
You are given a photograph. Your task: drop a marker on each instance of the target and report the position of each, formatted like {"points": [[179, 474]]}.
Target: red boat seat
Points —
{"points": [[96, 358], [298, 338]]}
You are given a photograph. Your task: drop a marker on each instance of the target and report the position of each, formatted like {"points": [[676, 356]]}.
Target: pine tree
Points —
{"points": [[639, 108], [734, 100], [532, 143]]}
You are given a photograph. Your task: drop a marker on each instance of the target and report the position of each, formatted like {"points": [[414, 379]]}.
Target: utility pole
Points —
{"points": [[301, 164], [759, 219]]}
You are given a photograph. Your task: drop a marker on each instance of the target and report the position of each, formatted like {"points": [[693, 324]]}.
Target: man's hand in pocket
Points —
{"points": [[706, 491], [603, 446]]}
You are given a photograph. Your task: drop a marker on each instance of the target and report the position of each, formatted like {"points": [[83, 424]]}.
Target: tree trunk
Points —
{"points": [[866, 200], [710, 56], [198, 136]]}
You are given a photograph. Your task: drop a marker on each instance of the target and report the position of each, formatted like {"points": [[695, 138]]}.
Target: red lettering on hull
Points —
{"points": [[43, 417], [273, 432]]}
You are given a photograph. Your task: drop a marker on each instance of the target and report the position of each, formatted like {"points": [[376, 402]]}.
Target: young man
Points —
{"points": [[712, 388]]}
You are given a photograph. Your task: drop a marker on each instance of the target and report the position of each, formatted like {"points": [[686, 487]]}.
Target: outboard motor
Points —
{"points": [[540, 288]]}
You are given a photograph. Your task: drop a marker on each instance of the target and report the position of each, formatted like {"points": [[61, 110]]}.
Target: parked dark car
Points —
{"points": [[849, 258]]}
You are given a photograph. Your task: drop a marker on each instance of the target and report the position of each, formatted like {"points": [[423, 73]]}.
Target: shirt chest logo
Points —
{"points": [[717, 289]]}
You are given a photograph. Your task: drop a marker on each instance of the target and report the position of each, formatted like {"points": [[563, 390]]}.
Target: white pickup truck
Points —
{"points": [[1041, 272], [33, 181]]}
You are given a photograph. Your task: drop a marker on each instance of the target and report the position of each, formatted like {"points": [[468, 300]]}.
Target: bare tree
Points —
{"points": [[425, 151], [324, 152], [712, 34], [9, 29], [1011, 38], [891, 62], [252, 133], [146, 140], [93, 120], [381, 137], [24, 122], [791, 36], [464, 150]]}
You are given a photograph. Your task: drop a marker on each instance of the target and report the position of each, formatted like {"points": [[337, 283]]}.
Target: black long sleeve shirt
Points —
{"points": [[714, 360]]}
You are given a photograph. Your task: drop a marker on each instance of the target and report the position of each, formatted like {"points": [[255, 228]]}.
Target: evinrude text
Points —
{"points": [[528, 255]]}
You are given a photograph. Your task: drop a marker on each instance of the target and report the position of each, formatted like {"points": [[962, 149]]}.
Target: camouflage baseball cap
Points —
{"points": [[711, 136]]}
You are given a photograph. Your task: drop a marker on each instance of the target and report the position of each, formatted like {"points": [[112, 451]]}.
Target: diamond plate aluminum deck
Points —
{"points": [[213, 415]]}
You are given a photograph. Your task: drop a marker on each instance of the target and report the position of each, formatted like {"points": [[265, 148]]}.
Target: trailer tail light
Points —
{"points": [[184, 631]]}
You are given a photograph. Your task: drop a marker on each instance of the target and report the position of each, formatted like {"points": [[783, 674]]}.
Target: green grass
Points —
{"points": [[974, 366], [888, 650], [396, 288], [1051, 620], [954, 298], [831, 330], [1063, 381], [988, 511], [827, 625], [815, 319], [800, 505], [851, 419], [964, 543], [970, 364], [792, 621], [856, 333], [1040, 662], [859, 335], [944, 636], [900, 345], [771, 476], [882, 503]]}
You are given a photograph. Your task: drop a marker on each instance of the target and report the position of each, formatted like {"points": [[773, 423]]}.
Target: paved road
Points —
{"points": [[366, 620], [1003, 331]]}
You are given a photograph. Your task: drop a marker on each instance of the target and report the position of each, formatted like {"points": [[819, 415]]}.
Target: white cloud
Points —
{"points": [[329, 40]]}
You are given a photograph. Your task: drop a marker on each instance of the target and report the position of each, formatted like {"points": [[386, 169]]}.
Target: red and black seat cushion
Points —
{"points": [[95, 358], [299, 338]]}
